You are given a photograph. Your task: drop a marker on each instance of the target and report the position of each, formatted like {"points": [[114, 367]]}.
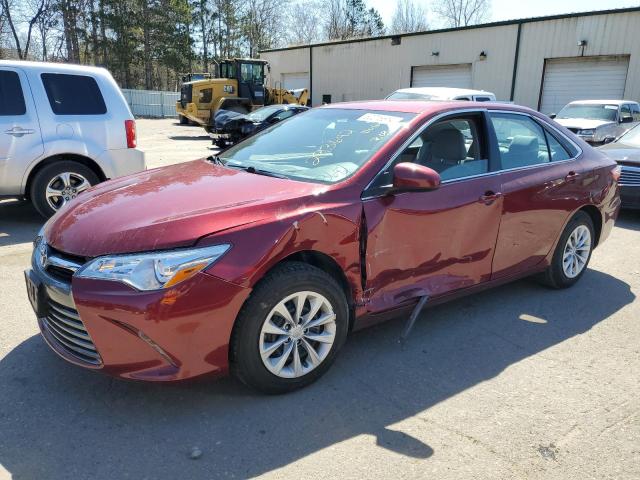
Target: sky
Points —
{"points": [[512, 9]]}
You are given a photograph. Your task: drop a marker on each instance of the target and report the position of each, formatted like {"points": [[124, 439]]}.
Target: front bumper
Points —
{"points": [[166, 335]]}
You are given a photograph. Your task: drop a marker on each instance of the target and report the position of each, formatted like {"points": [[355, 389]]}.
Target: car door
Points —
{"points": [[20, 138], [540, 181], [430, 243]]}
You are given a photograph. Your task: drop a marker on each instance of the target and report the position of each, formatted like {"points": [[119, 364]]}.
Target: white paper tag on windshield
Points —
{"points": [[611, 107], [377, 118]]}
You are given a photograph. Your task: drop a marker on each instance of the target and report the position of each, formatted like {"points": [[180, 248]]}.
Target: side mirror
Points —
{"points": [[608, 139], [626, 120], [552, 115], [409, 176]]}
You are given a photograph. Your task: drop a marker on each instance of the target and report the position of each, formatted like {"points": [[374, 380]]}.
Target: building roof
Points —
{"points": [[469, 27]]}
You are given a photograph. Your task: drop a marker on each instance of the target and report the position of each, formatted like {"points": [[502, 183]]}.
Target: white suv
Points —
{"points": [[63, 128]]}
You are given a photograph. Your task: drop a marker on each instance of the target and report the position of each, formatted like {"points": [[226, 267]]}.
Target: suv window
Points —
{"points": [[451, 147], [483, 99], [73, 94], [11, 97], [521, 140], [625, 111], [635, 111]]}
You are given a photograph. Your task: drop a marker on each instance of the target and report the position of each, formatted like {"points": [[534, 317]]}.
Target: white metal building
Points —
{"points": [[543, 62]]}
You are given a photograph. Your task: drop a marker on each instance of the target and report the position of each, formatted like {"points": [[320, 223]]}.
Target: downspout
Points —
{"points": [[311, 75], [515, 63]]}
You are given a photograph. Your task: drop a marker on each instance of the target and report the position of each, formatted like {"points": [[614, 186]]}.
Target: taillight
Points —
{"points": [[616, 172], [130, 129]]}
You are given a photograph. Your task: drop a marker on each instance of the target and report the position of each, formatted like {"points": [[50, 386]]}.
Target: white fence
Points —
{"points": [[151, 103]]}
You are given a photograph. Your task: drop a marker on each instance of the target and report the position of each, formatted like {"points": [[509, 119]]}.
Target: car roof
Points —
{"points": [[443, 91], [53, 67], [600, 102], [425, 106]]}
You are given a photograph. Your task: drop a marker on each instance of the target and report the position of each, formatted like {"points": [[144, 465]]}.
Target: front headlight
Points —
{"points": [[587, 132], [153, 271]]}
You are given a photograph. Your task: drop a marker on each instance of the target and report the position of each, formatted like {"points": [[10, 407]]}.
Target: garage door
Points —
{"points": [[442, 76], [293, 81], [585, 78]]}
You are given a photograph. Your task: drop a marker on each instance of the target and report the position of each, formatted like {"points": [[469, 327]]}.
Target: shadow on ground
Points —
{"points": [[629, 220], [59, 421], [19, 222], [190, 137]]}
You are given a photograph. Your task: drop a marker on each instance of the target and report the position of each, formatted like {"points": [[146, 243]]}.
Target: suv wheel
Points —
{"points": [[59, 183], [572, 253], [289, 332]]}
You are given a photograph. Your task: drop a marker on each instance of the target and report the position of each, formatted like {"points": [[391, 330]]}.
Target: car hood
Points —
{"points": [[171, 207], [622, 153], [582, 123]]}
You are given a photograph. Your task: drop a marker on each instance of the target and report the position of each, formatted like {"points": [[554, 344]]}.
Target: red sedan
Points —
{"points": [[263, 259]]}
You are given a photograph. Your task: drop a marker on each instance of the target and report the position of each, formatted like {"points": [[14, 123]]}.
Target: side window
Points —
{"points": [[635, 111], [625, 111], [11, 97], [521, 140], [558, 152], [73, 94], [283, 115], [483, 99], [454, 148]]}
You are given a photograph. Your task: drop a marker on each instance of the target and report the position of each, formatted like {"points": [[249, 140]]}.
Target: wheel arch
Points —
{"points": [[596, 218], [74, 157]]}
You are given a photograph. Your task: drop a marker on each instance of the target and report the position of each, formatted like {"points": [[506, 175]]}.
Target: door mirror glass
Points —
{"points": [[409, 176], [608, 139], [552, 115]]}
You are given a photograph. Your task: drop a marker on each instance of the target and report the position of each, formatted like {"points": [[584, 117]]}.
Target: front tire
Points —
{"points": [[183, 120], [58, 183], [290, 330], [572, 254]]}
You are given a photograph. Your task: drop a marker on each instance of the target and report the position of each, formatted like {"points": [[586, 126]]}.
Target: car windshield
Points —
{"points": [[261, 114], [590, 112], [325, 145], [410, 96], [632, 137]]}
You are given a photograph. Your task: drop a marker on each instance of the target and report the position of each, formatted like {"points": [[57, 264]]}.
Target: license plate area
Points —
{"points": [[36, 294]]}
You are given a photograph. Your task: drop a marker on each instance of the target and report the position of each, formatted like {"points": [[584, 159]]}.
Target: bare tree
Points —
{"points": [[30, 18], [460, 13], [263, 24], [408, 17], [304, 23], [45, 23]]}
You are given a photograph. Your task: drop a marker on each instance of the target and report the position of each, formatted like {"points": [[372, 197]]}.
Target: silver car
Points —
{"points": [[63, 128], [599, 121]]}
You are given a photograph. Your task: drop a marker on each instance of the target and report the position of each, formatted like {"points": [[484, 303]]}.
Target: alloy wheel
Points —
{"points": [[64, 187], [297, 334], [576, 251]]}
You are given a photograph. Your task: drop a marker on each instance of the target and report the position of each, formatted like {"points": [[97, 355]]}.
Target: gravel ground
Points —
{"points": [[517, 382]]}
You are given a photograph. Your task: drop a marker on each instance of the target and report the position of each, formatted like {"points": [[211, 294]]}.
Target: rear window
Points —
{"points": [[11, 98], [73, 94]]}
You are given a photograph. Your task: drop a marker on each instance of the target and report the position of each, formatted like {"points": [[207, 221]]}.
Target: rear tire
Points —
{"points": [[572, 254], [58, 183], [298, 359]]}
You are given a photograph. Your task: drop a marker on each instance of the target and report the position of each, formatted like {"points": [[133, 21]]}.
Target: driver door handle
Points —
{"points": [[19, 131], [489, 197], [571, 176]]}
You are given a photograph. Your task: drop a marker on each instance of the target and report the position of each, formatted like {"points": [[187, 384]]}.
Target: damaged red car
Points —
{"points": [[261, 261]]}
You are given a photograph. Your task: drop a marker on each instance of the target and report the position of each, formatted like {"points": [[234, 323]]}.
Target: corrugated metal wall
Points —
{"points": [[372, 69], [151, 103]]}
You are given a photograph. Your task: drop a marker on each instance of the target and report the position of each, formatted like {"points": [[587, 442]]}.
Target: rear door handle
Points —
{"points": [[571, 176], [489, 197], [19, 131]]}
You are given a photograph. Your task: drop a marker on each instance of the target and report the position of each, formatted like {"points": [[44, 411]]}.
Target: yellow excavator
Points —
{"points": [[240, 87]]}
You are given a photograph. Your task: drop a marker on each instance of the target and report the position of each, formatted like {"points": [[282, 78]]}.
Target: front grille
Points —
{"points": [[630, 176], [70, 334], [61, 265]]}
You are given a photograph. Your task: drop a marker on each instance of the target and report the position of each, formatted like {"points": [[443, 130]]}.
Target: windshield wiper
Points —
{"points": [[267, 173], [215, 159]]}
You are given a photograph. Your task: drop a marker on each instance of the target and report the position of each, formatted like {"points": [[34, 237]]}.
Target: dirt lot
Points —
{"points": [[518, 382]]}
